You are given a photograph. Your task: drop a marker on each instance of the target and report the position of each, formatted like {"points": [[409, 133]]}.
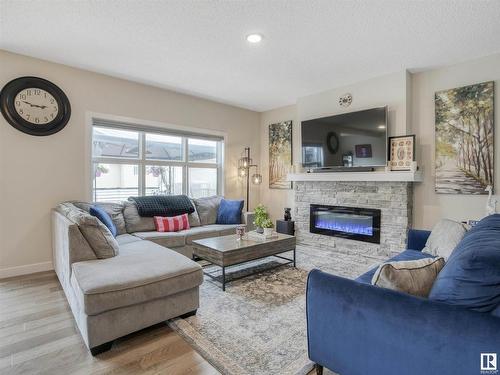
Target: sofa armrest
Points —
{"points": [[247, 218], [356, 328], [417, 239]]}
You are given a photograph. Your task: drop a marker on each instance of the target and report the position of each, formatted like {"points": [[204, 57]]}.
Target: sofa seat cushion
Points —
{"points": [[226, 229], [166, 239], [366, 278], [143, 271], [126, 238], [207, 231]]}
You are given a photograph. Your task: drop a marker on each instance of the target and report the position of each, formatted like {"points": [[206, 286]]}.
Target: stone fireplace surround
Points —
{"points": [[393, 198]]}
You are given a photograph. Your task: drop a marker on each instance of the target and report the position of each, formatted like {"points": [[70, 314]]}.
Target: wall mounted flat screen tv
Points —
{"points": [[355, 139]]}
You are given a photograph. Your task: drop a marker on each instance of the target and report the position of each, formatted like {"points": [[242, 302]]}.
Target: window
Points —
{"points": [[131, 162]]}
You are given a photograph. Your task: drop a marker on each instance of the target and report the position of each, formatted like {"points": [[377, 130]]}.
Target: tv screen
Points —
{"points": [[356, 139]]}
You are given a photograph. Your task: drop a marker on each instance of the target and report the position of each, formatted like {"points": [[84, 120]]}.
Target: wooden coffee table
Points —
{"points": [[228, 251]]}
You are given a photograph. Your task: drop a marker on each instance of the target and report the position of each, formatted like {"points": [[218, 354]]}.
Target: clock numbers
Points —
{"points": [[36, 106]]}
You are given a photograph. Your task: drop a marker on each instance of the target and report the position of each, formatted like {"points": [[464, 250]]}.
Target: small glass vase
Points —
{"points": [[240, 232]]}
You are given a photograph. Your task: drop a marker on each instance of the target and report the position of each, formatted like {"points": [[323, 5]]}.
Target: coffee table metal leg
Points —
{"points": [[223, 278], [294, 256]]}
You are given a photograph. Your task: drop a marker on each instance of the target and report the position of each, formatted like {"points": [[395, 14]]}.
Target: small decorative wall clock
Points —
{"points": [[401, 152], [35, 106], [345, 100]]}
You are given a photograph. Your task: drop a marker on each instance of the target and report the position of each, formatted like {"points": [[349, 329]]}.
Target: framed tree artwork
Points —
{"points": [[464, 149], [280, 155]]}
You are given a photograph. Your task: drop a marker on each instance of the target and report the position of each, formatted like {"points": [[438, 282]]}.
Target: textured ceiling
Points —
{"points": [[199, 47]]}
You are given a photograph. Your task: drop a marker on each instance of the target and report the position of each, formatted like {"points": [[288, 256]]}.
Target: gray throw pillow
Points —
{"points": [[444, 237], [414, 277], [134, 222], [194, 218], [207, 209], [95, 232]]}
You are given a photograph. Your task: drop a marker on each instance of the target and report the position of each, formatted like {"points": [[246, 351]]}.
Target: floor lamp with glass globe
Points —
{"points": [[244, 167]]}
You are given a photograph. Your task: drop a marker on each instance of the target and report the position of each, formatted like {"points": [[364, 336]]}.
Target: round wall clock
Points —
{"points": [[35, 106]]}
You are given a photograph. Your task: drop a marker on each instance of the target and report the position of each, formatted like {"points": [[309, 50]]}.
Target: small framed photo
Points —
{"points": [[401, 152]]}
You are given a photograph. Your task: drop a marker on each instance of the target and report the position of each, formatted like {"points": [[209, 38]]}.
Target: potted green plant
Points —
{"points": [[260, 217], [268, 226]]}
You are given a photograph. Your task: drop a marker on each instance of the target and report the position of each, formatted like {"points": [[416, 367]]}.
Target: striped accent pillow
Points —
{"points": [[171, 224]]}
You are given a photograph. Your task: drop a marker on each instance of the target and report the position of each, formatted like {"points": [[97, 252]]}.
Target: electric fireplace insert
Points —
{"points": [[355, 223]]}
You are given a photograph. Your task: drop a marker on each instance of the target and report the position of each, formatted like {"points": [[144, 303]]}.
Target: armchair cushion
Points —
{"points": [[367, 277], [471, 276], [445, 236], [414, 277]]}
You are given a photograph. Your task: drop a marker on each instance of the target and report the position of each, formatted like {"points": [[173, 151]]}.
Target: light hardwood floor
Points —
{"points": [[38, 336]]}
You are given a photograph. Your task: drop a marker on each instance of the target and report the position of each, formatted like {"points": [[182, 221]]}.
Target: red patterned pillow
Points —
{"points": [[171, 224]]}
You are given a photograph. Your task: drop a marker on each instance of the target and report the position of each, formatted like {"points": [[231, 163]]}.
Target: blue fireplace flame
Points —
{"points": [[355, 224]]}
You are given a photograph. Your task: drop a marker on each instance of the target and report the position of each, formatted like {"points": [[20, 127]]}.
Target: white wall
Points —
{"points": [[38, 172], [429, 206], [410, 98], [276, 199]]}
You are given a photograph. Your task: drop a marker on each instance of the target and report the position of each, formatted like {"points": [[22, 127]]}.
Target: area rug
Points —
{"points": [[258, 325]]}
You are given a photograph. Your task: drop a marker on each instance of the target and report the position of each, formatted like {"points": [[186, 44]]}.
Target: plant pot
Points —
{"points": [[268, 231], [259, 230]]}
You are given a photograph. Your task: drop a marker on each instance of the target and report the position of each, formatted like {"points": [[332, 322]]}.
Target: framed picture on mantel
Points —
{"points": [[401, 152]]}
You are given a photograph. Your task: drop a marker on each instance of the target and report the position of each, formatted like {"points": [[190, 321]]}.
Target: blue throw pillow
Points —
{"points": [[471, 276], [229, 212], [104, 217]]}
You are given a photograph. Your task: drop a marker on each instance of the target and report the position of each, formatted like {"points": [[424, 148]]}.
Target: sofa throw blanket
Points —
{"points": [[163, 205]]}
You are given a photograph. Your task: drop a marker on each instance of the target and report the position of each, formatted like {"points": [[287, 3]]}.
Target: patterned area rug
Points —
{"points": [[258, 325]]}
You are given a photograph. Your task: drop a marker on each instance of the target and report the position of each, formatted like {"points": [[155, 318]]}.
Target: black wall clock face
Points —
{"points": [[35, 106]]}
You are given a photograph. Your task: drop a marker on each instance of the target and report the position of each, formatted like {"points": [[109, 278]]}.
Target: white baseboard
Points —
{"points": [[25, 270]]}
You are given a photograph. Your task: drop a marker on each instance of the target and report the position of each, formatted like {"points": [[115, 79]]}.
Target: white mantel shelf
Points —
{"points": [[394, 176]]}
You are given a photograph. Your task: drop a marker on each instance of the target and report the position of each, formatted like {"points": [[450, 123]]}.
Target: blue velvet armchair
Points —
{"points": [[355, 328]]}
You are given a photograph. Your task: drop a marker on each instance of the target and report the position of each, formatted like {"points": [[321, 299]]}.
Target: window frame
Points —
{"points": [[142, 162]]}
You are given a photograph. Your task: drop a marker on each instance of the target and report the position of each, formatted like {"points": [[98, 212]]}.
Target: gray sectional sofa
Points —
{"points": [[147, 277]]}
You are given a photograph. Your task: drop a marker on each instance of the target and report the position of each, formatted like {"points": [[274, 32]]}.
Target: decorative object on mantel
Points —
{"points": [[288, 214], [244, 166], [345, 100], [464, 139], [491, 203], [280, 154], [35, 106], [401, 152]]}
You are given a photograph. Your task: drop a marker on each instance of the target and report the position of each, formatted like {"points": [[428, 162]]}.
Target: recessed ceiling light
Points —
{"points": [[254, 38]]}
